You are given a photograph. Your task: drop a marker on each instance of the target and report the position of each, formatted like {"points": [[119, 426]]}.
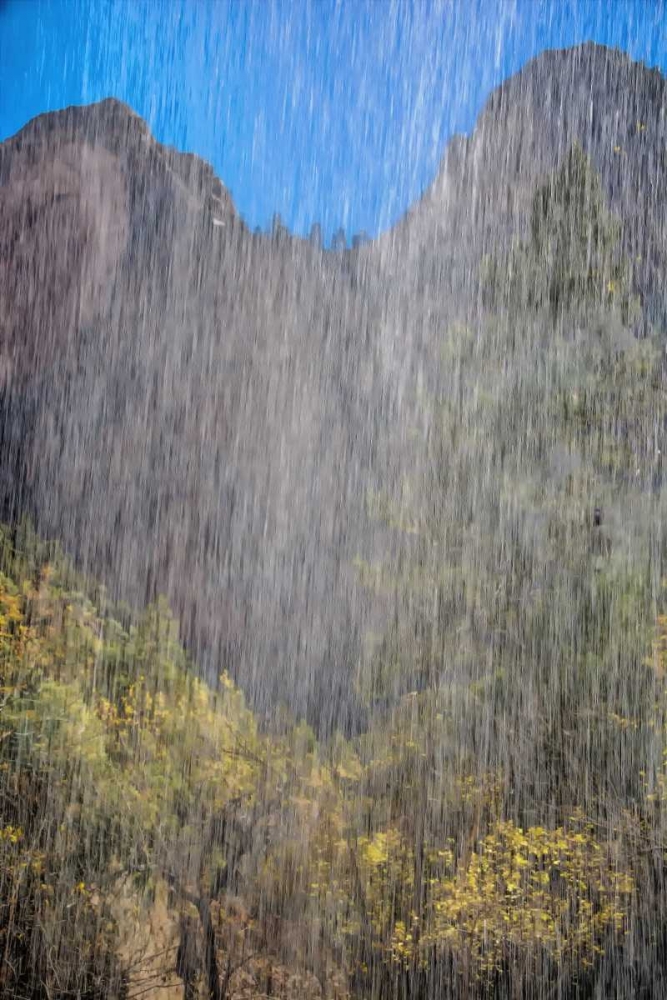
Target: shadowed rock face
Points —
{"points": [[182, 401], [196, 410], [615, 108]]}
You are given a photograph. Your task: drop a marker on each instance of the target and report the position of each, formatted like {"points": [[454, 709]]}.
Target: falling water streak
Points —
{"points": [[404, 736]]}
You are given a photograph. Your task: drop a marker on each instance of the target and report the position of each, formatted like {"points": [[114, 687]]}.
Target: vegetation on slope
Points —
{"points": [[288, 869]]}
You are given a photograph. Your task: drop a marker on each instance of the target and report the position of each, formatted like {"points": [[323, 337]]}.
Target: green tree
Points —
{"points": [[573, 257]]}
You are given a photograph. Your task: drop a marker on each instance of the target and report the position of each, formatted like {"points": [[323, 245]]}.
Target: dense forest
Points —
{"points": [[482, 811]]}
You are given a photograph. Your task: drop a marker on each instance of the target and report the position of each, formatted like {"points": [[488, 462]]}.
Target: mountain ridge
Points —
{"points": [[199, 410]]}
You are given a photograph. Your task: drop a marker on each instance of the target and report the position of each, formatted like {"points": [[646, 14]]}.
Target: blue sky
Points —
{"points": [[334, 111]]}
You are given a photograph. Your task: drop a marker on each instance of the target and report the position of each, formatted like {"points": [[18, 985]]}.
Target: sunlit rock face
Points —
{"points": [[196, 410], [64, 219]]}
